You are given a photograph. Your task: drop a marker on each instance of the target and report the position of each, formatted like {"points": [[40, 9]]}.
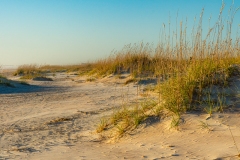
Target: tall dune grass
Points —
{"points": [[184, 67], [185, 63]]}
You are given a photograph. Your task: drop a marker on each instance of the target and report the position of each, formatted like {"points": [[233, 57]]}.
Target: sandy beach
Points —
{"points": [[119, 80], [58, 119]]}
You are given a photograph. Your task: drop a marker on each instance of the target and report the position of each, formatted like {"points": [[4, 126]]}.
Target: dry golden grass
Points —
{"points": [[32, 71], [184, 68], [184, 63], [81, 68]]}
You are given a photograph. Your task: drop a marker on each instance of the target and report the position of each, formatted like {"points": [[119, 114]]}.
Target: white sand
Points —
{"points": [[29, 127]]}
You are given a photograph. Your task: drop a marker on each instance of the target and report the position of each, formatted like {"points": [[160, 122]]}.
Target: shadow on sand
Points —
{"points": [[17, 88]]}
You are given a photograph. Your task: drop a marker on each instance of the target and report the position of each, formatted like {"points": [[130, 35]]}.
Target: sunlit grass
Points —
{"points": [[186, 65], [186, 70]]}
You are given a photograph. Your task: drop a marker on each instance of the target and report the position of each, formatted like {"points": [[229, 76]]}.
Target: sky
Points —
{"points": [[61, 32]]}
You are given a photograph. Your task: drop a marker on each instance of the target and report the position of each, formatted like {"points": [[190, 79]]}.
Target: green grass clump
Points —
{"points": [[181, 90], [128, 117], [102, 126]]}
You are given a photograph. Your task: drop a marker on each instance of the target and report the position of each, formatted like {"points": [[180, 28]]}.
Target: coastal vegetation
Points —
{"points": [[188, 68], [193, 73]]}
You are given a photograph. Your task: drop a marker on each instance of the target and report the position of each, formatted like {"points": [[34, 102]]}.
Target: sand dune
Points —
{"points": [[57, 120]]}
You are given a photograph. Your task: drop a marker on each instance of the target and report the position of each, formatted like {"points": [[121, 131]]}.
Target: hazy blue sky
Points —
{"points": [[75, 31]]}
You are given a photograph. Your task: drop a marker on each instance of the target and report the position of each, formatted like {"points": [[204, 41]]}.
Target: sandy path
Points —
{"points": [[32, 125], [27, 113]]}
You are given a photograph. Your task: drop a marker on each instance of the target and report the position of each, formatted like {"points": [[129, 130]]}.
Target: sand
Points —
{"points": [[58, 119]]}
